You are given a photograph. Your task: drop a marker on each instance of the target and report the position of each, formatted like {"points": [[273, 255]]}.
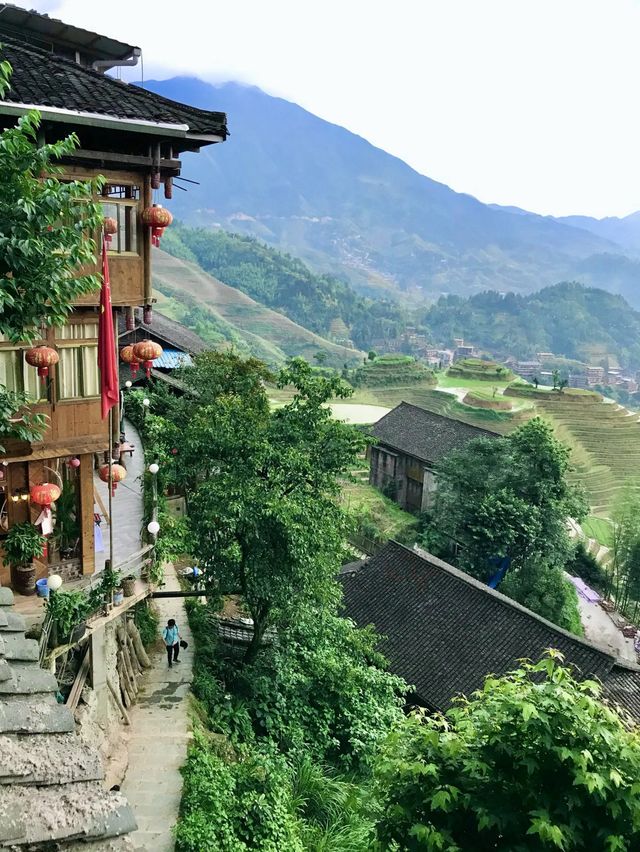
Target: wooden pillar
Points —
{"points": [[146, 245], [85, 480]]}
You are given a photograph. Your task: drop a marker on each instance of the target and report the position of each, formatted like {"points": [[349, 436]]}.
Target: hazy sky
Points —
{"points": [[526, 102]]}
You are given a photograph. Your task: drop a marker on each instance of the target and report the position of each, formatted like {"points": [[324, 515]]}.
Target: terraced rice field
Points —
{"points": [[605, 439]]}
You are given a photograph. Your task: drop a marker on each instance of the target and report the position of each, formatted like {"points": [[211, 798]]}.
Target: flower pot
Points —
{"points": [[118, 597], [23, 579], [129, 586]]}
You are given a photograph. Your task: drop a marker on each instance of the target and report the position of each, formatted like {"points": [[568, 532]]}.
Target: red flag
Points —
{"points": [[109, 381]]}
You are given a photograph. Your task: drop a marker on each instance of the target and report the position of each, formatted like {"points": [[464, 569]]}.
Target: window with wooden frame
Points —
{"points": [[77, 373], [120, 202], [18, 376]]}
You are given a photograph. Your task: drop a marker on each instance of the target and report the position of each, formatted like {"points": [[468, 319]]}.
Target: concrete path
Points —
{"points": [[159, 735], [127, 506]]}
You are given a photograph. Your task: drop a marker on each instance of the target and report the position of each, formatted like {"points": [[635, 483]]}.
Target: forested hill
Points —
{"points": [[344, 206], [581, 323], [321, 303]]}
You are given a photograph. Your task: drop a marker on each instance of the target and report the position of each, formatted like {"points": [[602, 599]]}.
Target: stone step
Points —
{"points": [[13, 622], [31, 716], [6, 596], [5, 671], [28, 680], [14, 646], [56, 759], [63, 813]]}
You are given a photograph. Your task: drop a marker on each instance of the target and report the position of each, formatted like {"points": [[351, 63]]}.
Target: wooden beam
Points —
{"points": [[79, 682], [85, 481], [98, 499], [123, 159]]}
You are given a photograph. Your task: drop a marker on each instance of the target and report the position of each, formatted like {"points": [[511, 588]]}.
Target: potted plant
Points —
{"points": [[22, 544], [68, 611]]}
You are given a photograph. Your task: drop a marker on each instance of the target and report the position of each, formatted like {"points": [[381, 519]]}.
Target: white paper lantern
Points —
{"points": [[153, 527], [146, 402], [154, 467], [54, 582]]}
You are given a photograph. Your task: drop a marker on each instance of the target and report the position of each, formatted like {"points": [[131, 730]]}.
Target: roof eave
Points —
{"points": [[108, 122]]}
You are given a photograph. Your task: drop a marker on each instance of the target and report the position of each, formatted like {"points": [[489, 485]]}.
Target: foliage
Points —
{"points": [[146, 620], [263, 513], [15, 421], [583, 564], [22, 544], [67, 528], [625, 577], [510, 497], [561, 774], [67, 609], [389, 371], [43, 229]]}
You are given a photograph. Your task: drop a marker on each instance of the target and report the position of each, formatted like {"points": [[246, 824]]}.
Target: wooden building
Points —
{"points": [[410, 441], [134, 138]]}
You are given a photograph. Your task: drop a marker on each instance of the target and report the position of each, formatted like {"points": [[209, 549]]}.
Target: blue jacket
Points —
{"points": [[170, 635]]}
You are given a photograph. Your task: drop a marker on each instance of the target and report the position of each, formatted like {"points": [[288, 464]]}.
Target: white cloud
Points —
{"points": [[526, 102]]}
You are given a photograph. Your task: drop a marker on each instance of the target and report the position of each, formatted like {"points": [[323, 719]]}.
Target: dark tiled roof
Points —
{"points": [[42, 79], [423, 434], [444, 631], [168, 331]]}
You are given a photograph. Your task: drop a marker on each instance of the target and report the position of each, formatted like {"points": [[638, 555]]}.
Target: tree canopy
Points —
{"points": [[509, 498], [532, 761]]}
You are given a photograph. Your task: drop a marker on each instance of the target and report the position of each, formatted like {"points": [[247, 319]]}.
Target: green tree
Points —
{"points": [[320, 356], [263, 513], [625, 574], [372, 355], [510, 497], [532, 761], [45, 225]]}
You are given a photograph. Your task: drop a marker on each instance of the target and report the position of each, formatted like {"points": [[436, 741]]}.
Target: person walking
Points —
{"points": [[171, 636]]}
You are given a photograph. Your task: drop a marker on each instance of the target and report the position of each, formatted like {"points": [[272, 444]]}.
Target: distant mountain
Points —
{"points": [[336, 201], [625, 231], [579, 323]]}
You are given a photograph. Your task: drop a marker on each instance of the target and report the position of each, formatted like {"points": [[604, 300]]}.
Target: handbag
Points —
{"points": [[184, 644]]}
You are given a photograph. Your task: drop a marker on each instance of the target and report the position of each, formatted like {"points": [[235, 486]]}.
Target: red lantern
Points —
{"points": [[126, 354], [42, 357], [157, 218], [74, 462], [45, 494], [118, 473], [110, 227], [147, 351]]}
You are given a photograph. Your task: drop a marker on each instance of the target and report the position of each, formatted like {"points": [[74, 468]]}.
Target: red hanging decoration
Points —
{"points": [[74, 462], [157, 218], [127, 355], [44, 495], [147, 351], [118, 473], [110, 227], [147, 314], [42, 357]]}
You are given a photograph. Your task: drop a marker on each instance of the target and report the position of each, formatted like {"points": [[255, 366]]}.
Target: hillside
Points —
{"points": [[336, 201], [580, 323], [322, 303], [623, 230], [224, 315]]}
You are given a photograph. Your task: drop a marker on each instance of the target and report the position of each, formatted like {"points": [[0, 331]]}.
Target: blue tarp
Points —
{"points": [[172, 358]]}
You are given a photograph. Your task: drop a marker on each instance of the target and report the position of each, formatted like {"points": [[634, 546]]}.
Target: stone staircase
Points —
{"points": [[51, 784]]}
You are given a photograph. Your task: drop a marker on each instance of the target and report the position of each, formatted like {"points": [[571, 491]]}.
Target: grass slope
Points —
{"points": [[265, 332]]}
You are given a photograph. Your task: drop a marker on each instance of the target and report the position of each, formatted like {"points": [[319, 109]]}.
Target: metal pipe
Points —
{"points": [[106, 64]]}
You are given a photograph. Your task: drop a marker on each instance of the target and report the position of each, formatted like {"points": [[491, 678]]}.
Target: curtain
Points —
{"points": [[69, 374], [90, 372]]}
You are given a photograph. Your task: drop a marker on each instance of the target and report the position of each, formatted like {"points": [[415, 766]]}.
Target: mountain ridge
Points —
{"points": [[336, 201]]}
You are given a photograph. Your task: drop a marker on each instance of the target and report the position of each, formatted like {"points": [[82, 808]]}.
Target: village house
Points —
{"points": [[133, 138], [52, 790], [410, 441], [444, 631]]}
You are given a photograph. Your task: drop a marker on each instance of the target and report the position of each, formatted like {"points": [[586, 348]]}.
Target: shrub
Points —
{"points": [[584, 565]]}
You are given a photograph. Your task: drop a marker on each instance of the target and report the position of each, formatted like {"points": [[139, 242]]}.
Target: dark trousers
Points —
{"points": [[173, 651]]}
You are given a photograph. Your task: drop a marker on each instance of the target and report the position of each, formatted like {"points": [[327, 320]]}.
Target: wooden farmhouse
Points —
{"points": [[133, 138], [410, 441]]}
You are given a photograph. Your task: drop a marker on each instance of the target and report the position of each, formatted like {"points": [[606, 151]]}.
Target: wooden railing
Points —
{"points": [[132, 566]]}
